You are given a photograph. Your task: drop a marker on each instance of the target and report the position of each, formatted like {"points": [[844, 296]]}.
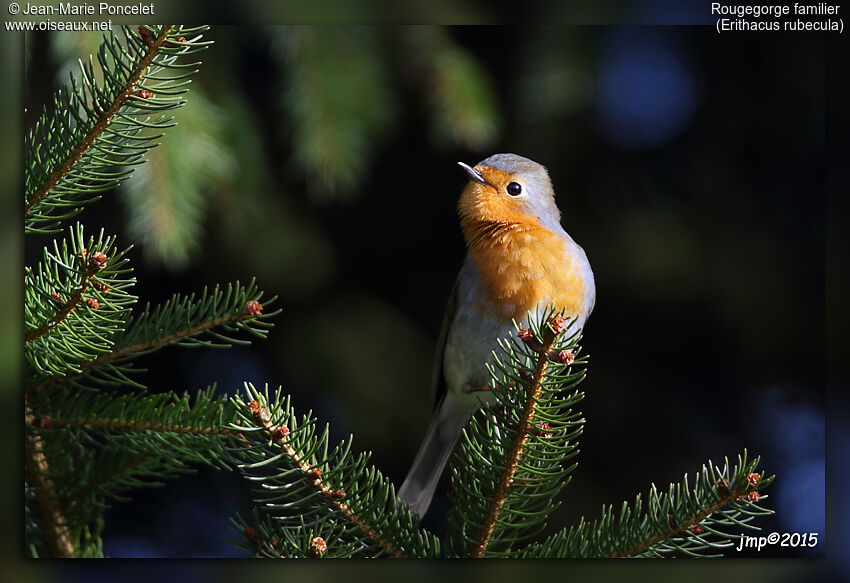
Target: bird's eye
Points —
{"points": [[514, 189]]}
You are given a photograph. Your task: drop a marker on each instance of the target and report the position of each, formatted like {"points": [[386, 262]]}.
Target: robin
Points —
{"points": [[519, 261]]}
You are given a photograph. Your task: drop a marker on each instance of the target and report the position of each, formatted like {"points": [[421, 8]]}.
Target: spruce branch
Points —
{"points": [[239, 315], [214, 317], [76, 302], [110, 418], [334, 497], [265, 538], [96, 130], [302, 478], [131, 425], [555, 326], [515, 457], [66, 307], [210, 318], [100, 446], [690, 521], [102, 120]]}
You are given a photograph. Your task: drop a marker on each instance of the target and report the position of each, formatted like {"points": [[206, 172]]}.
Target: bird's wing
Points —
{"points": [[438, 382]]}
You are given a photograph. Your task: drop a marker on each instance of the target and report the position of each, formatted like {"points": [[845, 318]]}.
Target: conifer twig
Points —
{"points": [[106, 117], [110, 423], [334, 497], [167, 339], [523, 431], [92, 267], [155, 343], [677, 527]]}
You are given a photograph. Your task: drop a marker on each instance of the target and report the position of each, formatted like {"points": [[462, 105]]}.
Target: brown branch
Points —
{"points": [[677, 528], [56, 530], [313, 476], [523, 430], [167, 339], [105, 119]]}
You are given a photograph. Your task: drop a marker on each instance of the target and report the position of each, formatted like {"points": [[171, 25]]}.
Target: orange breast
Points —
{"points": [[524, 265]]}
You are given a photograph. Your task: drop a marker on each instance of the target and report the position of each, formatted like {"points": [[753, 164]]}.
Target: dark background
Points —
{"points": [[689, 165]]}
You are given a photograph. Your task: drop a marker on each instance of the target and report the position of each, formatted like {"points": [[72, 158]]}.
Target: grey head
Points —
{"points": [[538, 196]]}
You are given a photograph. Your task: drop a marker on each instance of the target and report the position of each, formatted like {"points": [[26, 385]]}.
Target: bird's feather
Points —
{"points": [[438, 381], [424, 475]]}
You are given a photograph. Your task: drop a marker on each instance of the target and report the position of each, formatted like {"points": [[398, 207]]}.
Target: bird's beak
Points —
{"points": [[473, 173]]}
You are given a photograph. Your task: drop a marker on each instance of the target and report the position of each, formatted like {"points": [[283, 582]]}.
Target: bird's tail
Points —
{"points": [[443, 432]]}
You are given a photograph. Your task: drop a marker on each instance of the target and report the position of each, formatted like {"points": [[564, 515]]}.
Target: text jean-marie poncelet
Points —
{"points": [[87, 9]]}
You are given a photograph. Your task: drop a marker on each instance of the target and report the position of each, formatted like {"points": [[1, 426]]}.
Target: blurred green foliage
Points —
{"points": [[336, 110], [557, 79], [459, 92], [168, 197]]}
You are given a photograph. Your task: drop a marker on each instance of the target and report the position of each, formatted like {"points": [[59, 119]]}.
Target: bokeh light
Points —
{"points": [[646, 95]]}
